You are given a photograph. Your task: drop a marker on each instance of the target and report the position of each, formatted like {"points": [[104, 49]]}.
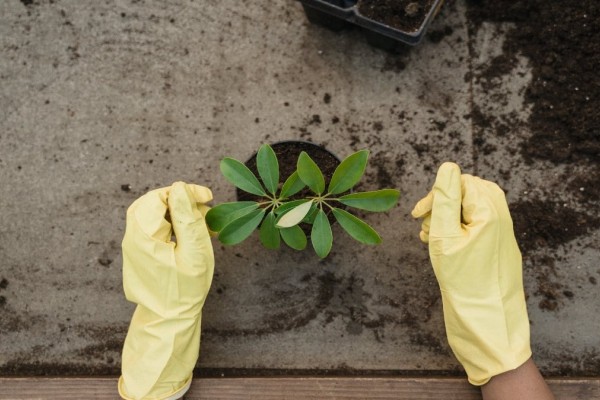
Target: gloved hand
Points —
{"points": [[477, 263], [169, 282]]}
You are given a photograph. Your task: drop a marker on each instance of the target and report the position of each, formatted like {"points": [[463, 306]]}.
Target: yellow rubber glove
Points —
{"points": [[477, 263], [169, 283]]}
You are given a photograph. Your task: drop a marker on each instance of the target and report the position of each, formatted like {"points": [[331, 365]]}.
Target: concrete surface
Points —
{"points": [[101, 101]]}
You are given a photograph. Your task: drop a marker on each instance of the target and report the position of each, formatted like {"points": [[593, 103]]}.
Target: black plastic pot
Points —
{"points": [[339, 14], [287, 154]]}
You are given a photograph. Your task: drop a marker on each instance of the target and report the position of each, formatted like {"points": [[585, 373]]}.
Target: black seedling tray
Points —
{"points": [[339, 14]]}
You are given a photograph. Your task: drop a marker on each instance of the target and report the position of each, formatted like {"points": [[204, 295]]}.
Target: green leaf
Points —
{"points": [[356, 227], [321, 235], [219, 216], [285, 207], [268, 167], [294, 237], [379, 200], [310, 173], [240, 176], [269, 234], [349, 172], [295, 215], [312, 213], [293, 184], [238, 230]]}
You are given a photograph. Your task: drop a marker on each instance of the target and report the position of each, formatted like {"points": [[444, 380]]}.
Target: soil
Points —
{"points": [[561, 42], [316, 295], [405, 15], [3, 285], [287, 154], [327, 297], [548, 224]]}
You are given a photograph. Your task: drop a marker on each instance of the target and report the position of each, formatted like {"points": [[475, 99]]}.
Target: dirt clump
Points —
{"points": [[548, 224]]}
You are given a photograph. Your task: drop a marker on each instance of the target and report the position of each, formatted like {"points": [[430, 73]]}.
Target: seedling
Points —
{"points": [[282, 207]]}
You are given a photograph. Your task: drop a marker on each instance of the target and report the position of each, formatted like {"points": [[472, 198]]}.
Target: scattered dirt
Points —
{"points": [[3, 285], [105, 353], [324, 294], [293, 310], [438, 35], [562, 44], [563, 361], [548, 224], [328, 297], [405, 15], [25, 367]]}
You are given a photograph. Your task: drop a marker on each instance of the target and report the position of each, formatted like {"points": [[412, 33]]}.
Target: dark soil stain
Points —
{"points": [[3, 285], [397, 61], [383, 175], [335, 297], [565, 89], [290, 317], [428, 340], [24, 367], [548, 224], [499, 66], [350, 303], [103, 351], [562, 44], [405, 15], [438, 35], [566, 364], [485, 125], [12, 321], [105, 261], [549, 286]]}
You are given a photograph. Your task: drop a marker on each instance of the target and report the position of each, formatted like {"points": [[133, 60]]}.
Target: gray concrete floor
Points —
{"points": [[98, 95]]}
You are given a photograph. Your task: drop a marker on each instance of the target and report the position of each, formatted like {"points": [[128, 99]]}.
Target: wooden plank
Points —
{"points": [[338, 388]]}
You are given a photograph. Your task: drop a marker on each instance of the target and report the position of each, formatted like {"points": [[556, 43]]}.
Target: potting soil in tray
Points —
{"points": [[405, 15]]}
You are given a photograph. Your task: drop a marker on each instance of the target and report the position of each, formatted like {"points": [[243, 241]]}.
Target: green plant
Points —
{"points": [[279, 210]]}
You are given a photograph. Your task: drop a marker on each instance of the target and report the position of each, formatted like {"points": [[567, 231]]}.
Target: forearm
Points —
{"points": [[523, 383]]}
